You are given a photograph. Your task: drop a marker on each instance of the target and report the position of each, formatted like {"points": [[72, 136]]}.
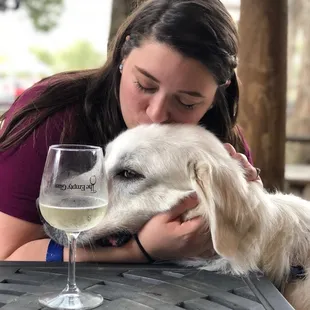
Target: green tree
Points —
{"points": [[44, 14], [44, 56], [80, 55]]}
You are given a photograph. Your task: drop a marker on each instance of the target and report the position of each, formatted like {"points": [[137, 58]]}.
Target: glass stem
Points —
{"points": [[71, 284]]}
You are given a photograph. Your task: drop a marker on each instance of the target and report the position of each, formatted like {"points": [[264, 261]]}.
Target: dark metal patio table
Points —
{"points": [[138, 287]]}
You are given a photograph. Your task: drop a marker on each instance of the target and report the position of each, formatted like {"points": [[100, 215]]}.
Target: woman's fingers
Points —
{"points": [[185, 205], [230, 149], [252, 173]]}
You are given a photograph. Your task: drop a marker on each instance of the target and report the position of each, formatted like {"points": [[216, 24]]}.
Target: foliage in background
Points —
{"points": [[44, 14], [80, 55]]}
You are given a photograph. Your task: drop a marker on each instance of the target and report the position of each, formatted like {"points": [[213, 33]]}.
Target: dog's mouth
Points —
{"points": [[116, 239]]}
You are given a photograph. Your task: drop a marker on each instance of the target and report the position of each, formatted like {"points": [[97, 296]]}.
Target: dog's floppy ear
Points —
{"points": [[223, 193]]}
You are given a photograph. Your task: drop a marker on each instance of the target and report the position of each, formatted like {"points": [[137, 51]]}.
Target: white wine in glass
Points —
{"points": [[73, 198]]}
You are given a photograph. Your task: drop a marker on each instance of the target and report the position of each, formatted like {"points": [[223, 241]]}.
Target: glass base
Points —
{"points": [[74, 301]]}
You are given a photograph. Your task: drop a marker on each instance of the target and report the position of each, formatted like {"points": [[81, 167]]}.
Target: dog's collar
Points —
{"points": [[297, 273]]}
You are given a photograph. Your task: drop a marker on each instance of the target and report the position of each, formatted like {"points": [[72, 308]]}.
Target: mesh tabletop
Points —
{"points": [[138, 286]]}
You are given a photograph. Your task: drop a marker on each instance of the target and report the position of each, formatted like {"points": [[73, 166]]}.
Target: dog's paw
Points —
{"points": [[220, 265], [192, 262]]}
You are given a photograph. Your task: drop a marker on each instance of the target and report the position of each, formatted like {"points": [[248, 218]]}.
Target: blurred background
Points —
{"points": [[42, 37]]}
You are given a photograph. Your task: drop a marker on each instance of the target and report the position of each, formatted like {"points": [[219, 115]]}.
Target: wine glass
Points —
{"points": [[73, 198]]}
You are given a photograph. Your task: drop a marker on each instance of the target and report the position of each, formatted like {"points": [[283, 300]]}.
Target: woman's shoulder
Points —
{"points": [[28, 96], [21, 165], [50, 130]]}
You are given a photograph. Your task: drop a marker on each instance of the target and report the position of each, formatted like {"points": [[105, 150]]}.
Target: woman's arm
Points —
{"points": [[14, 233], [164, 237], [36, 251], [24, 241]]}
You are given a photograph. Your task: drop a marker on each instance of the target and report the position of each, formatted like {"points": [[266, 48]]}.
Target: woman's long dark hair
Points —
{"points": [[199, 29]]}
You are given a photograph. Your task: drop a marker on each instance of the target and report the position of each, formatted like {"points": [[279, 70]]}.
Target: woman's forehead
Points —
{"points": [[163, 62]]}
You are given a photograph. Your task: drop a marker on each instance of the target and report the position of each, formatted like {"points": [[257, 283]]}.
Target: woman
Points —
{"points": [[172, 61]]}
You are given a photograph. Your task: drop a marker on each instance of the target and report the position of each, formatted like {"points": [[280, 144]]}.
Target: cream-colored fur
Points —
{"points": [[251, 229]]}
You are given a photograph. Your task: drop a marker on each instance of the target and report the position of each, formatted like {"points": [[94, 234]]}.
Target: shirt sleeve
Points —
{"points": [[247, 150], [248, 153], [21, 166]]}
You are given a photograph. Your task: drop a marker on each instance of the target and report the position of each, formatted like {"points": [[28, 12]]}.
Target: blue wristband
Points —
{"points": [[55, 252]]}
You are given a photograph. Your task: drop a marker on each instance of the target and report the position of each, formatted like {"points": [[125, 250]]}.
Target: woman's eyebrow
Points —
{"points": [[147, 74], [191, 93]]}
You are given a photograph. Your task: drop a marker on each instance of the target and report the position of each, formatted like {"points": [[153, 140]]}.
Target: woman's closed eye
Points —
{"points": [[151, 89], [188, 106], [146, 89]]}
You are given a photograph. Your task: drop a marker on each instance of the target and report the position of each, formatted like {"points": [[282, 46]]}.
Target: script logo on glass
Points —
{"points": [[81, 187]]}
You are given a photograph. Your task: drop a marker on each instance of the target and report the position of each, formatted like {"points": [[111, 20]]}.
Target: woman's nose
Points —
{"points": [[158, 110]]}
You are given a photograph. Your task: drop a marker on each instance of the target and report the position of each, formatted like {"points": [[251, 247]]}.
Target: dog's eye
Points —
{"points": [[129, 174]]}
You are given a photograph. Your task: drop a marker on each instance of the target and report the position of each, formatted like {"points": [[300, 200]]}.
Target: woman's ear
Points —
{"points": [[223, 192]]}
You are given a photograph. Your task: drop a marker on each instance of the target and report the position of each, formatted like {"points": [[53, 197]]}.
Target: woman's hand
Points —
{"points": [[165, 236], [252, 173]]}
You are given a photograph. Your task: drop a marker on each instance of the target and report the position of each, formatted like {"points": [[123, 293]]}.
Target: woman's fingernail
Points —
{"points": [[230, 149]]}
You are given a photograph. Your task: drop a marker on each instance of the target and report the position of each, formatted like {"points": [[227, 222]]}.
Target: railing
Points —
{"points": [[297, 176], [298, 139]]}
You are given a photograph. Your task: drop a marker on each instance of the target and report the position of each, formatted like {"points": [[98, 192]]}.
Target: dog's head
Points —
{"points": [[150, 168]]}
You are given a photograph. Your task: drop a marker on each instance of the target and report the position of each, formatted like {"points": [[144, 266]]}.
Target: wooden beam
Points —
{"points": [[262, 72], [298, 139], [120, 11]]}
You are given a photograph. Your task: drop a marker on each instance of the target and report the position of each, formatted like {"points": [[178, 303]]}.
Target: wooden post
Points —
{"points": [[262, 72], [120, 10]]}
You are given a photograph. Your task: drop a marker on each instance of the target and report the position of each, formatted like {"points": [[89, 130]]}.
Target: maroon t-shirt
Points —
{"points": [[21, 167]]}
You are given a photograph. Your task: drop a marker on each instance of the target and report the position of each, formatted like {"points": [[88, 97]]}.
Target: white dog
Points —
{"points": [[151, 167]]}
